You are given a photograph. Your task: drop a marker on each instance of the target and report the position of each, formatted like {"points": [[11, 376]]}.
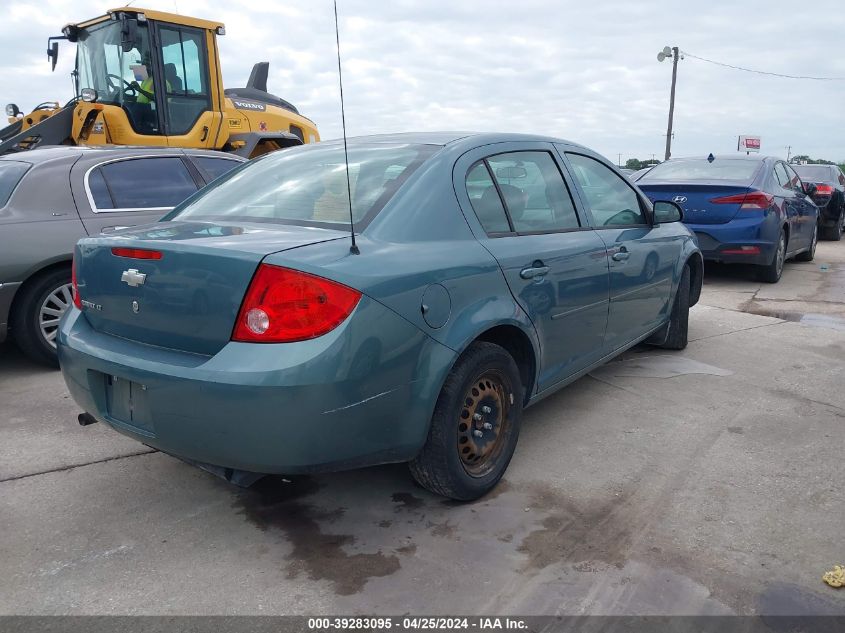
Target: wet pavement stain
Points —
{"points": [[570, 534], [407, 501], [408, 550], [738, 430], [442, 530], [274, 504]]}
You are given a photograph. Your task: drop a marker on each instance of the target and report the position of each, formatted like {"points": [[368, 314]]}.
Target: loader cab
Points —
{"points": [[158, 73]]}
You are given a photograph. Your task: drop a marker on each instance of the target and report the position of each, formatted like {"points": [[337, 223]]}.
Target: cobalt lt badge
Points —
{"points": [[133, 277], [135, 307]]}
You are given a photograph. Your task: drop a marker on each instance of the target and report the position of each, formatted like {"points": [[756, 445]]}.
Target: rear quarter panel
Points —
{"points": [[40, 224]]}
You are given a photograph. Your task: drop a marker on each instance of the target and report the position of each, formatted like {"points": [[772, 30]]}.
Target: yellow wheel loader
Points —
{"points": [[151, 78]]}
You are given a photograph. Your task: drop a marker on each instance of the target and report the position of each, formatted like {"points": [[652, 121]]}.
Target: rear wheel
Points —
{"points": [[834, 233], [772, 272], [475, 426], [35, 322], [808, 255]]}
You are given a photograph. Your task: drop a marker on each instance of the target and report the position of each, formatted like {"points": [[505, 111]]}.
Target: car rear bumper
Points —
{"points": [[360, 395], [7, 295], [750, 240]]}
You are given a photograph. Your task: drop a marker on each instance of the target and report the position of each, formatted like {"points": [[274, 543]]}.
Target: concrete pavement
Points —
{"points": [[705, 481]]}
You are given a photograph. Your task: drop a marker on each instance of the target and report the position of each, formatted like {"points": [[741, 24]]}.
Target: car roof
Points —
{"points": [[752, 158], [447, 138], [70, 153]]}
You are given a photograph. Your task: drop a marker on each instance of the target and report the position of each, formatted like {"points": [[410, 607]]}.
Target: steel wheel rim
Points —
{"points": [[50, 313], [781, 255], [484, 423]]}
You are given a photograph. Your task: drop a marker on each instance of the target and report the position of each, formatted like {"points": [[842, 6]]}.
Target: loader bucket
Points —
{"points": [[52, 131]]}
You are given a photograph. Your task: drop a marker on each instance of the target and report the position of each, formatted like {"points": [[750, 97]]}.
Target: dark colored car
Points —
{"points": [[829, 197], [491, 270], [743, 209], [52, 197]]}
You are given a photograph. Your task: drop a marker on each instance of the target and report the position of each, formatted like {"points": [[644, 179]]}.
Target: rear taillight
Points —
{"points": [[751, 200], [283, 305], [77, 300], [824, 190], [136, 253]]}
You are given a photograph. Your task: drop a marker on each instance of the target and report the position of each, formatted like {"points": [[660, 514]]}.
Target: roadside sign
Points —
{"points": [[748, 144]]}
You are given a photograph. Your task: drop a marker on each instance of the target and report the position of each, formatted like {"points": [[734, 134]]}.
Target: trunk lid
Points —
{"points": [[695, 199], [189, 298]]}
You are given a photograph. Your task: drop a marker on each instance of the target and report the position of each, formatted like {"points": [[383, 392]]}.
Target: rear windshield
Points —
{"points": [[701, 169], [815, 173], [11, 173], [307, 185]]}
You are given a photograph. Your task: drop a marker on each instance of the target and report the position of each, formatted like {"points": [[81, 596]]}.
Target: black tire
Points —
{"points": [[676, 337], [808, 255], [834, 233], [26, 319], [444, 465], [771, 273]]}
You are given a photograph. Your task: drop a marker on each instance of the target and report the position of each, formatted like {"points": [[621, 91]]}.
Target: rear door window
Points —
{"points": [[794, 180], [485, 200], [612, 200], [213, 168], [11, 173], [780, 176], [99, 190], [534, 191], [145, 183]]}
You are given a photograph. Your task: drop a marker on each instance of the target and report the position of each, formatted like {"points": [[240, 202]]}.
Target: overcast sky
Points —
{"points": [[580, 70]]}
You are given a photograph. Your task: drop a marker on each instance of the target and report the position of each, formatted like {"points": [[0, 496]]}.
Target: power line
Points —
{"points": [[762, 72]]}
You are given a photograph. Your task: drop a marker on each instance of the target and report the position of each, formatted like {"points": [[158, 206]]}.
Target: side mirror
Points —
{"points": [[666, 211], [53, 54], [12, 110], [128, 34], [810, 188]]}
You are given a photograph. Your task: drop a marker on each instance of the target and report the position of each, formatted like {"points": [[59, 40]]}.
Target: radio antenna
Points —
{"points": [[354, 248]]}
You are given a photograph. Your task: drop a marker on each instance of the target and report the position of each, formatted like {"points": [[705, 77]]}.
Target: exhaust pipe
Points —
{"points": [[86, 419]]}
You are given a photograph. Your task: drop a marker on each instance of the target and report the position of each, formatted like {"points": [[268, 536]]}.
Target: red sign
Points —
{"points": [[748, 144]]}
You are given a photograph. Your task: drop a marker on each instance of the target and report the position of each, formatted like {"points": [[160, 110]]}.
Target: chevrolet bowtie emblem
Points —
{"points": [[133, 277]]}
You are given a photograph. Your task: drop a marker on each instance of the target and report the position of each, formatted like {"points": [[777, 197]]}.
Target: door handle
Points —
{"points": [[204, 133], [534, 271], [620, 255]]}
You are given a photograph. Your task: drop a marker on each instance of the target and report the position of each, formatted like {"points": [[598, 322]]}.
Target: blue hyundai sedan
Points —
{"points": [[245, 334], [743, 209]]}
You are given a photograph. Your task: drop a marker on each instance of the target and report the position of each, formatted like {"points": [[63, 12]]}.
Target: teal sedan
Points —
{"points": [[245, 332]]}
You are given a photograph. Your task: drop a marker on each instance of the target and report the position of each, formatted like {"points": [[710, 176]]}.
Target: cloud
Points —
{"points": [[586, 72]]}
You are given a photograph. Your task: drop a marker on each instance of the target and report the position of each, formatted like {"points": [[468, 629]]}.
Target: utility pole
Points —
{"points": [[675, 54], [619, 163]]}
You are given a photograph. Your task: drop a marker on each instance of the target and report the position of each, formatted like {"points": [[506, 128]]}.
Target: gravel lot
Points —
{"points": [[706, 481]]}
